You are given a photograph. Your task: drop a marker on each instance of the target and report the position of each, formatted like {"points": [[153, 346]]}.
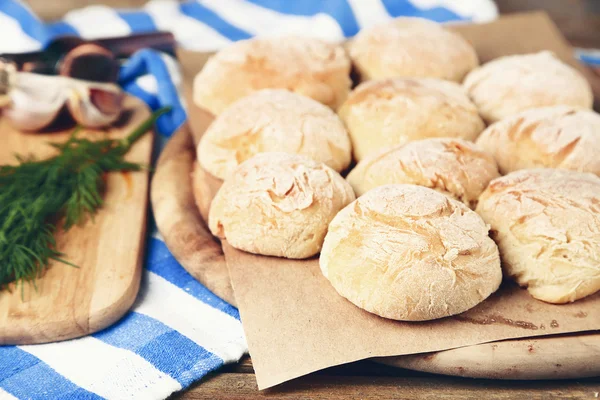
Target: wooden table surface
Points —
{"points": [[369, 380], [579, 21]]}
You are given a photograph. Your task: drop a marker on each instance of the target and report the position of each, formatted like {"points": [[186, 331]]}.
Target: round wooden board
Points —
{"points": [[553, 357], [178, 218], [178, 180]]}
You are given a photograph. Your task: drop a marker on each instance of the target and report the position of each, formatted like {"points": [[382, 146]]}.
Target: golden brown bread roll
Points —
{"points": [[385, 113], [278, 204], [454, 167], [274, 120], [412, 47], [307, 66], [409, 253], [511, 84], [553, 137], [547, 225]]}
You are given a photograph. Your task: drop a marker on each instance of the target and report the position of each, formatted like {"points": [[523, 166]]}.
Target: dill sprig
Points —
{"points": [[34, 195]]}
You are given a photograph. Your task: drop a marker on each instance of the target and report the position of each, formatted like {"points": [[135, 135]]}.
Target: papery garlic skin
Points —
{"points": [[89, 114], [32, 102], [35, 100]]}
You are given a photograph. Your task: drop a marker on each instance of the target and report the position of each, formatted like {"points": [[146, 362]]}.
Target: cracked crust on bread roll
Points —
{"points": [[546, 223], [454, 167], [307, 66], [549, 137], [278, 204], [412, 47], [390, 112], [274, 120], [511, 84], [409, 253]]}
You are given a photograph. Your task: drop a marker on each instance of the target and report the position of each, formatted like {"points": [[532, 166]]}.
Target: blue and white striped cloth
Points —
{"points": [[211, 24], [177, 331]]}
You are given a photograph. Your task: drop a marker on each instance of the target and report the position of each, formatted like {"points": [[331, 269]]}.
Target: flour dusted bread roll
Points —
{"points": [[547, 225], [412, 47], [553, 137], [307, 66], [409, 253], [278, 204], [454, 167], [508, 85], [273, 120], [385, 113]]}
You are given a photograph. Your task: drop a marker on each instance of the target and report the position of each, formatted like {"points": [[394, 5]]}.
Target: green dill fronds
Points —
{"points": [[34, 195]]}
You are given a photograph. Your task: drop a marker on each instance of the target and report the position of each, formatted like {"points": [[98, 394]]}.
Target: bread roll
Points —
{"points": [[512, 84], [409, 253], [553, 137], [309, 67], [391, 112], [273, 120], [454, 167], [547, 225], [278, 204], [412, 47]]}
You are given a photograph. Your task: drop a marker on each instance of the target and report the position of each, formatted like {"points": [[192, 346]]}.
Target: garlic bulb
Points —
{"points": [[31, 102]]}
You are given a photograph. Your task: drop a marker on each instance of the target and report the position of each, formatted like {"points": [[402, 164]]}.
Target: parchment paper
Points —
{"points": [[296, 323]]}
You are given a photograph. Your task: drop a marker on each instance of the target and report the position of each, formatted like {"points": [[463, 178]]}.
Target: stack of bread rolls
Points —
{"points": [[424, 225]]}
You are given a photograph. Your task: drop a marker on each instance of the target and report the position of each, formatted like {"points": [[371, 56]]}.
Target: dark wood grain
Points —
{"points": [[359, 368], [578, 20], [238, 386]]}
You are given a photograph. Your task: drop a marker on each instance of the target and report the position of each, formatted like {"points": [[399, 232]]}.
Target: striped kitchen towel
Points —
{"points": [[177, 331], [211, 24]]}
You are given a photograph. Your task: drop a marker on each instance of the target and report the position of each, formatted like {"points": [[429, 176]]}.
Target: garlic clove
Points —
{"points": [[94, 105], [34, 100]]}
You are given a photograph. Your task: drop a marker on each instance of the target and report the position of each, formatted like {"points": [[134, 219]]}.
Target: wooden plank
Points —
{"points": [[72, 302], [358, 368], [244, 366], [578, 20], [238, 386]]}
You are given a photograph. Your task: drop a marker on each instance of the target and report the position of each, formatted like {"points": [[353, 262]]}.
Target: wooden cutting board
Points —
{"points": [[72, 302]]}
